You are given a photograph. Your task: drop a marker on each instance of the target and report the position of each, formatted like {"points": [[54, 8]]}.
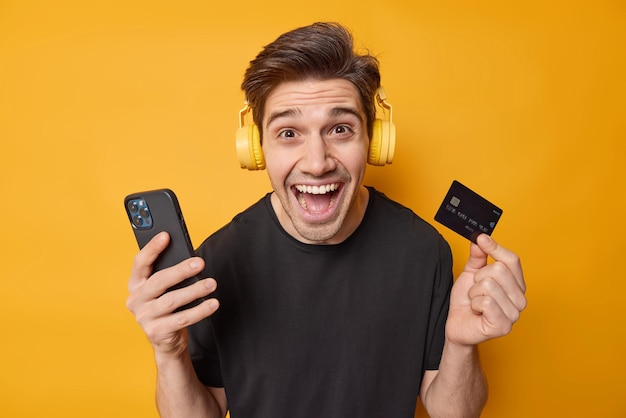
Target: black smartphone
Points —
{"points": [[154, 211]]}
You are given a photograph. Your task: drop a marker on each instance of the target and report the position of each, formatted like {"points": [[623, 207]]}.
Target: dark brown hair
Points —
{"points": [[319, 51]]}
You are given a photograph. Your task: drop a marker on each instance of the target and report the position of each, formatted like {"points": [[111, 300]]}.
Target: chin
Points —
{"points": [[319, 234]]}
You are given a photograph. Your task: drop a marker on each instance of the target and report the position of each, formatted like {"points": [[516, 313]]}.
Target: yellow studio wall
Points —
{"points": [[522, 101]]}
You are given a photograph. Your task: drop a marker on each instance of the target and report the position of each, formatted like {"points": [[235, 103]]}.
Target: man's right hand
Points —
{"points": [[154, 309]]}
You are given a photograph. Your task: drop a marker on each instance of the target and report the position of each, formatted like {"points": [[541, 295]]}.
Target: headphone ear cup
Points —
{"points": [[383, 143], [249, 149]]}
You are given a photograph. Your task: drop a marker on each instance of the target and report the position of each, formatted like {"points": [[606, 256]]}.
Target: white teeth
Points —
{"points": [[317, 189]]}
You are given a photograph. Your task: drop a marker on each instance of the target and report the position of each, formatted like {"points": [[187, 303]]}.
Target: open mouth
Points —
{"points": [[317, 199]]}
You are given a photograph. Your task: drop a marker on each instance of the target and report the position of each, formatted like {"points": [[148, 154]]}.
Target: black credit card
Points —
{"points": [[467, 213]]}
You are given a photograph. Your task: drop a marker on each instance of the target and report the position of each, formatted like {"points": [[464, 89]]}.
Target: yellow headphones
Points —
{"points": [[381, 150]]}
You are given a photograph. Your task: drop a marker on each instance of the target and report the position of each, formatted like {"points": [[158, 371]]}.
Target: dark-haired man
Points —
{"points": [[334, 301]]}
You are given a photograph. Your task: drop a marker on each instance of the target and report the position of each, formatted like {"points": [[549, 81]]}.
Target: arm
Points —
{"points": [[485, 302], [179, 392], [458, 388]]}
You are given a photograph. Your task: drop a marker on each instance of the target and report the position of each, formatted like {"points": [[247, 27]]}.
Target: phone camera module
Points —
{"points": [[139, 214]]}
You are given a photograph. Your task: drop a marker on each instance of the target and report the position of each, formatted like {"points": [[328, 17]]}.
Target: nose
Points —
{"points": [[317, 157]]}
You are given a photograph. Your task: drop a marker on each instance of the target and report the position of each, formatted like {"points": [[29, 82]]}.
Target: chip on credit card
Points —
{"points": [[467, 213]]}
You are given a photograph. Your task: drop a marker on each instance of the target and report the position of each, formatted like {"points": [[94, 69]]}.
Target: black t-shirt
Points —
{"points": [[343, 330]]}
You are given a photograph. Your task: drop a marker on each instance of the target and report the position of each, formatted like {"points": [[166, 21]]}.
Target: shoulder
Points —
{"points": [[399, 218], [244, 228], [400, 229]]}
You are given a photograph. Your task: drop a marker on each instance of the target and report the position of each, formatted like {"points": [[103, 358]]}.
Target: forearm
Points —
{"points": [[179, 393], [460, 388]]}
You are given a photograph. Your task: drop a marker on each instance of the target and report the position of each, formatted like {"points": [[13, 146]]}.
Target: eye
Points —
{"points": [[287, 133], [342, 130]]}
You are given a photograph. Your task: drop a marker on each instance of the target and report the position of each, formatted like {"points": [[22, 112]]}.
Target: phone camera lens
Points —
{"points": [[143, 212], [132, 206], [137, 221]]}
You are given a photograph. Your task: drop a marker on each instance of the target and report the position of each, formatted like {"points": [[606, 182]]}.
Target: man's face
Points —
{"points": [[315, 146]]}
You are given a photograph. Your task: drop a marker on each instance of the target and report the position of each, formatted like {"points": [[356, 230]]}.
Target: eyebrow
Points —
{"points": [[340, 111], [334, 112], [282, 114]]}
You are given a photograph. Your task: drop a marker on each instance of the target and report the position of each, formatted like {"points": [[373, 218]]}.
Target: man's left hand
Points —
{"points": [[486, 299]]}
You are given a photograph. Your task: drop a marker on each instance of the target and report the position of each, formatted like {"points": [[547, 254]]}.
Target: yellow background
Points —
{"points": [[522, 101]]}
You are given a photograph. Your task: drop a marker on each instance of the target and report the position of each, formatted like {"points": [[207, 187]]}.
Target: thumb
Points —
{"points": [[479, 253]]}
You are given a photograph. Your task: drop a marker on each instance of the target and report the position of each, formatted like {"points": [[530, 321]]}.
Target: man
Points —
{"points": [[334, 301]]}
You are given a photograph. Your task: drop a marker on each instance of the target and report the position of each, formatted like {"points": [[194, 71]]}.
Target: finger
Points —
{"points": [[162, 329], [494, 322], [490, 288], [162, 280], [151, 314], [498, 274], [170, 301], [477, 259], [193, 315], [489, 246], [142, 264]]}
